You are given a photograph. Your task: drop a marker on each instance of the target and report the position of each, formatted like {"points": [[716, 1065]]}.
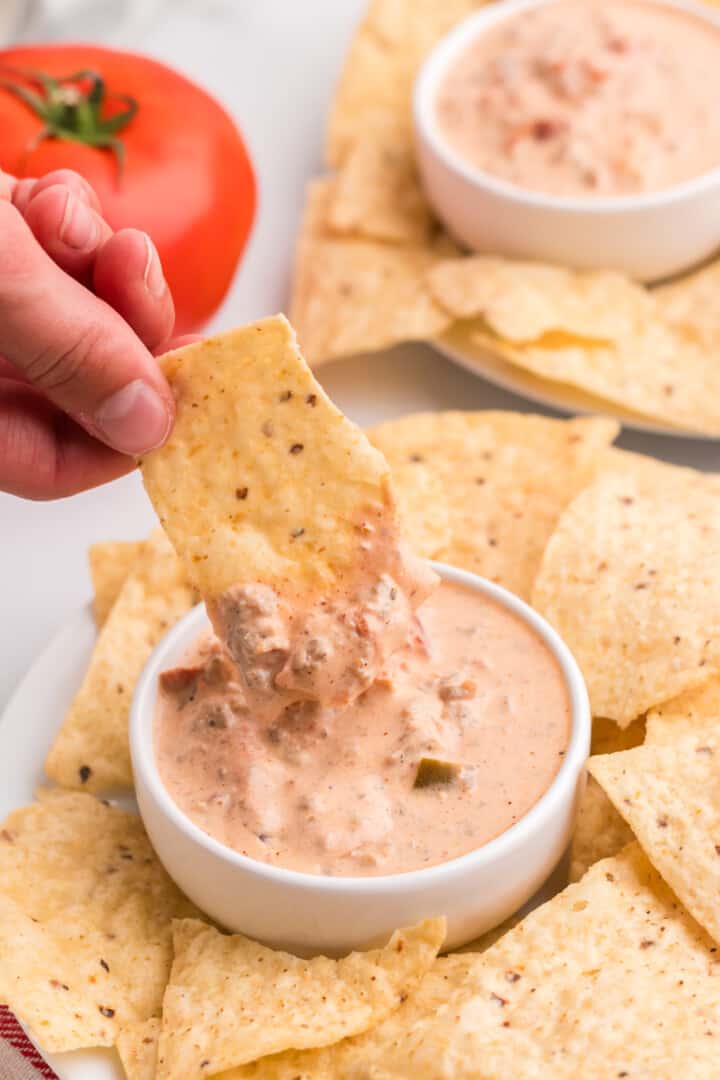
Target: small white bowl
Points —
{"points": [[647, 236], [309, 913]]}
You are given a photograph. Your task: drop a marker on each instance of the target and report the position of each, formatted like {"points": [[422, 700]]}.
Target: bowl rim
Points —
{"points": [[573, 762], [456, 40]]}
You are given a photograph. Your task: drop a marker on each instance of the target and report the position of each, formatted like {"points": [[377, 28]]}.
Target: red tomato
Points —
{"points": [[186, 178]]}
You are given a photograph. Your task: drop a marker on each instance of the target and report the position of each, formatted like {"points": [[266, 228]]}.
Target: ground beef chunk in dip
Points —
{"points": [[460, 733], [329, 648], [588, 97]]}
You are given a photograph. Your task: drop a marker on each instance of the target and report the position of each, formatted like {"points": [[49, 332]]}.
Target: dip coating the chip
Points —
{"points": [[283, 514]]}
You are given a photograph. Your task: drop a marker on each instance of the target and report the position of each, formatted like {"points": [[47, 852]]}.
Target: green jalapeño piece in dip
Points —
{"points": [[457, 738], [587, 97]]}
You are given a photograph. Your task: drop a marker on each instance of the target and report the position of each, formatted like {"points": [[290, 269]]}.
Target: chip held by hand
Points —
{"points": [[284, 516]]}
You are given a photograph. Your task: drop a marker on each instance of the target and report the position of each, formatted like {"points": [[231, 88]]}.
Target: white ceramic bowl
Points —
{"points": [[309, 913], [647, 236]]}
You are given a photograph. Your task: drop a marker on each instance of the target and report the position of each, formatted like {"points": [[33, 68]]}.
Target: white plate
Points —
{"points": [[458, 347], [33, 715]]}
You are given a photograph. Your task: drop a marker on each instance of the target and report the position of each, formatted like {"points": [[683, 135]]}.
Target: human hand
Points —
{"points": [[82, 309]]}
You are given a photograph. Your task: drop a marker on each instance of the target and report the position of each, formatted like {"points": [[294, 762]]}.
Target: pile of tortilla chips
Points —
{"points": [[374, 268], [617, 975]]}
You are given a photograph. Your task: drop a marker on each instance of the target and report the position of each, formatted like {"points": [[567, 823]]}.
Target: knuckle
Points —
{"points": [[54, 370]]}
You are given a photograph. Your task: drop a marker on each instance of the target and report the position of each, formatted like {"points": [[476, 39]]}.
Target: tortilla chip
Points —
{"points": [[378, 195], [110, 565], [91, 750], [670, 797], [85, 920], [599, 830], [523, 301], [610, 978], [356, 295], [325, 1064], [656, 373], [137, 1046], [384, 57], [230, 1000], [484, 490], [267, 481], [696, 712], [630, 580], [690, 306]]}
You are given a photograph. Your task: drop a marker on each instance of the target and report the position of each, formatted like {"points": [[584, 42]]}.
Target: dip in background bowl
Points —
{"points": [[310, 912], [514, 164]]}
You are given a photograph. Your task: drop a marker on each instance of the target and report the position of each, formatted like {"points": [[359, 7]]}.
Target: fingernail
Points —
{"points": [[77, 228], [153, 277], [134, 420]]}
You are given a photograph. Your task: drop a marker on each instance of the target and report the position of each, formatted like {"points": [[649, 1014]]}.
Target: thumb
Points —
{"points": [[77, 349]]}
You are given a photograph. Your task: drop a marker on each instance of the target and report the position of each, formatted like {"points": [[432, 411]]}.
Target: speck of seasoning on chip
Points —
{"points": [[311, 400], [84, 772], [241, 493], [103, 964], [285, 396], [416, 458], [500, 1000], [295, 533], [662, 822], [268, 428], [109, 1013], [297, 448], [646, 943], [512, 976], [204, 1064]]}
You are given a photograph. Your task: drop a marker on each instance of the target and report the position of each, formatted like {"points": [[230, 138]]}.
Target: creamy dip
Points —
{"points": [[458, 736], [325, 647], [588, 97]]}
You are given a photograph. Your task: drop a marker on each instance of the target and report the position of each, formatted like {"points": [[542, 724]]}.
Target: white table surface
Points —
{"points": [[273, 63]]}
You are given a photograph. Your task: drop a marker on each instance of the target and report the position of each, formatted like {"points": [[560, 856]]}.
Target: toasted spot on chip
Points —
{"points": [[230, 1000], [137, 1046]]}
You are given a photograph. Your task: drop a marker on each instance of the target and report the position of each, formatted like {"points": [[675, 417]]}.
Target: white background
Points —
{"points": [[273, 63]]}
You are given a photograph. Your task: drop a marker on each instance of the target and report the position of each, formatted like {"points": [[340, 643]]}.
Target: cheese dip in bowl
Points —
{"points": [[448, 788], [577, 131]]}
